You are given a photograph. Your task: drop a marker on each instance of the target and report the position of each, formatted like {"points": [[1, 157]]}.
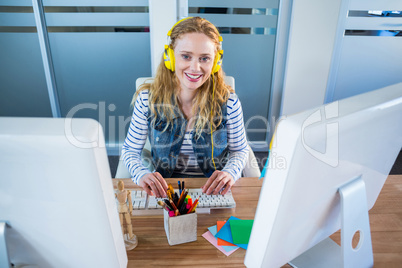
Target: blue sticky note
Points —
{"points": [[264, 170], [226, 234], [214, 230]]}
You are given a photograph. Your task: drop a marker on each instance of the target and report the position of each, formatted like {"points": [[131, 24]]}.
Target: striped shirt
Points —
{"points": [[187, 164]]}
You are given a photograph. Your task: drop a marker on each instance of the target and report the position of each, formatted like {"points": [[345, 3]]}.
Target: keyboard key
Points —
{"points": [[152, 203], [137, 198]]}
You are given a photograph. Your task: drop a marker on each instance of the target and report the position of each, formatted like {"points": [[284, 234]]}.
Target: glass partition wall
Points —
{"points": [[23, 90], [369, 55], [97, 50]]}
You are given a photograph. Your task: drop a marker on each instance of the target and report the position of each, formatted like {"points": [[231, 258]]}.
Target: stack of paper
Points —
{"points": [[229, 235]]}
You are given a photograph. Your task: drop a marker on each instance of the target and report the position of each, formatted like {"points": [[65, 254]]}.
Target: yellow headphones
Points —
{"points": [[168, 55]]}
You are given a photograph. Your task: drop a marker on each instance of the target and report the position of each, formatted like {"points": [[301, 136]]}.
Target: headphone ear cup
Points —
{"points": [[217, 61], [168, 56]]}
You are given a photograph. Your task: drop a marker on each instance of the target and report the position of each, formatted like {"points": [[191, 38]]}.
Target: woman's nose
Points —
{"points": [[195, 65]]}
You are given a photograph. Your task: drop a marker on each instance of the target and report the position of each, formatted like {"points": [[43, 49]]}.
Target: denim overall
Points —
{"points": [[165, 145]]}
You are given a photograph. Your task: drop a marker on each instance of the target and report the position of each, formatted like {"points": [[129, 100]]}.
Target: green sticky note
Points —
{"points": [[241, 230]]}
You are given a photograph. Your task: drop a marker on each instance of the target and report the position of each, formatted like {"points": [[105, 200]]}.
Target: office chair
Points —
{"points": [[250, 170]]}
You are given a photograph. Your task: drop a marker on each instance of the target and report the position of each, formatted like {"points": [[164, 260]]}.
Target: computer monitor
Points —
{"points": [[326, 168], [56, 195]]}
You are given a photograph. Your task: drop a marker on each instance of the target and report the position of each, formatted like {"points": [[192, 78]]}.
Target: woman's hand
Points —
{"points": [[154, 183], [218, 181]]}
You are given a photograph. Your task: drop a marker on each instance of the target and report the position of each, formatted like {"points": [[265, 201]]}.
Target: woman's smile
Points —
{"points": [[193, 77]]}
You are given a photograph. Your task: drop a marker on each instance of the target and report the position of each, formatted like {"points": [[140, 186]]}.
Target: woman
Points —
{"points": [[187, 101]]}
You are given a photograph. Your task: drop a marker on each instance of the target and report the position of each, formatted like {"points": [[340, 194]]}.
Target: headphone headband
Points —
{"points": [[169, 58], [170, 31]]}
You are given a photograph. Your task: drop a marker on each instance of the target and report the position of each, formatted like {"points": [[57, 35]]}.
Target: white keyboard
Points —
{"points": [[148, 205]]}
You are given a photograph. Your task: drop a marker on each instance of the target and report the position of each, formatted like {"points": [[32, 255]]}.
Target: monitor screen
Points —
{"points": [[314, 153], [57, 196]]}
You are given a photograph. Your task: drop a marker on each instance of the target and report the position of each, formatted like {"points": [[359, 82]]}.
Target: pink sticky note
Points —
{"points": [[212, 239]]}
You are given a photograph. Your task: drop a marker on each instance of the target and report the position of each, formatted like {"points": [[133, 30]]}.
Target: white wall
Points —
{"points": [[162, 16], [311, 42]]}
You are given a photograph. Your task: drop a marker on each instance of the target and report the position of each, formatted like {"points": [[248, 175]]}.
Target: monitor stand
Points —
{"points": [[4, 259], [354, 218]]}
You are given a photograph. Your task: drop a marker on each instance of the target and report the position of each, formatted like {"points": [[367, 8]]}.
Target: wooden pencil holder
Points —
{"points": [[180, 229]]}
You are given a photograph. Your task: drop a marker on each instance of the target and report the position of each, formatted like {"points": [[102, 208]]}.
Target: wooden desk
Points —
{"points": [[153, 249]]}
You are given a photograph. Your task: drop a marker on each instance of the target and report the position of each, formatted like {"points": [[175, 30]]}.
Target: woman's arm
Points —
{"points": [[237, 142], [133, 145], [136, 137]]}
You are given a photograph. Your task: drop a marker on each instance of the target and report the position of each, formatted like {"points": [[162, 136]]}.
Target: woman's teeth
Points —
{"points": [[193, 76]]}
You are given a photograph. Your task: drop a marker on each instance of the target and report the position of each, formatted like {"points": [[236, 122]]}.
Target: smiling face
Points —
{"points": [[194, 57]]}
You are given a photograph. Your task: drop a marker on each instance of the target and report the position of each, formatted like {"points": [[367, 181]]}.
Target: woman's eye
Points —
{"points": [[186, 57], [204, 59]]}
